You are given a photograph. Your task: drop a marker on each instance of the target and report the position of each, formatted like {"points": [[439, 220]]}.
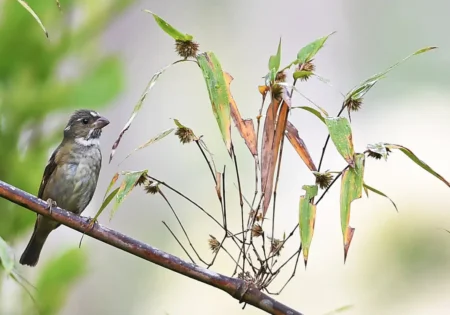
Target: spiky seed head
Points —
{"points": [[353, 105], [277, 91], [214, 244], [378, 156], [186, 48], [185, 135], [323, 180], [307, 66], [151, 187], [276, 246], [143, 180], [280, 77], [257, 230]]}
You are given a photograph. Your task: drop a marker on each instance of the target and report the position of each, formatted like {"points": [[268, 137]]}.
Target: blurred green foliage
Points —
{"points": [[41, 81]]}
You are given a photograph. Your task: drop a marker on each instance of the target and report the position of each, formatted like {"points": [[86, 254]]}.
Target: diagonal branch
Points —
{"points": [[239, 289]]}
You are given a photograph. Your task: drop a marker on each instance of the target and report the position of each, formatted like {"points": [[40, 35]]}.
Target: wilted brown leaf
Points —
{"points": [[299, 146]]}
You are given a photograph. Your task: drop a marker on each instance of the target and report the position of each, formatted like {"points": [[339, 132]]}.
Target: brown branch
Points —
{"points": [[241, 290]]}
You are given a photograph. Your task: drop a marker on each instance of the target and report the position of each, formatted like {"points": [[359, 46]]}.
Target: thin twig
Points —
{"points": [[179, 243]]}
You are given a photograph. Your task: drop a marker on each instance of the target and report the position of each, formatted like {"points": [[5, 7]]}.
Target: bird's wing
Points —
{"points": [[49, 169]]}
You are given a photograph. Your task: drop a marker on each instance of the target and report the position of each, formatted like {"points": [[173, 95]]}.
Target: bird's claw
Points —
{"points": [[50, 205]]}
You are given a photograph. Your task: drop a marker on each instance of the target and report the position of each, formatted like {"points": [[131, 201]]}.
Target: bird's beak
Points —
{"points": [[101, 122]]}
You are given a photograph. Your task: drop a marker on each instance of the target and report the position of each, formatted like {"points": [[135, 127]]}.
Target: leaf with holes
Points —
{"points": [[218, 94], [416, 160], [307, 218], [351, 189], [169, 29], [309, 51], [341, 135], [358, 92], [367, 187], [299, 146], [129, 182]]}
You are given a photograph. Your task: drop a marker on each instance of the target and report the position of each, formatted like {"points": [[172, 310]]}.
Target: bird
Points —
{"points": [[70, 177]]}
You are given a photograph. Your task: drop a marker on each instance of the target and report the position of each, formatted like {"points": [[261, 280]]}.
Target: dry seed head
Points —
{"points": [[143, 180], [214, 244], [259, 216], [185, 135], [280, 77], [378, 156], [353, 105], [276, 246], [307, 66], [257, 230], [277, 92], [186, 48], [151, 187], [323, 180]]}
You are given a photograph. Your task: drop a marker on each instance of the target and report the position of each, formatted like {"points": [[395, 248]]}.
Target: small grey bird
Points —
{"points": [[70, 177]]}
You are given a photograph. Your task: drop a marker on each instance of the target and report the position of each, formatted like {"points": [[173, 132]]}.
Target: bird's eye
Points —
{"points": [[85, 121]]}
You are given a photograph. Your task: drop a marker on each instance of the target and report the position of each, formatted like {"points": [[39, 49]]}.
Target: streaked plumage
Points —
{"points": [[70, 177]]}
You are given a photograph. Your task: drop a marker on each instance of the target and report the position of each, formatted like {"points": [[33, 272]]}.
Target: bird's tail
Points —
{"points": [[31, 253]]}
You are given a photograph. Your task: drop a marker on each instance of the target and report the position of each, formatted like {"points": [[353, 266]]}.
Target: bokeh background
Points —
{"points": [[101, 54]]}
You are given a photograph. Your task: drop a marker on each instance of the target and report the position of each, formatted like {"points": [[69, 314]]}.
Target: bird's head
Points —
{"points": [[85, 127]]}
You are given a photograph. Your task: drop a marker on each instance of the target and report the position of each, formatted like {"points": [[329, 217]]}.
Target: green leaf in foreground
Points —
{"points": [[367, 187], [309, 51], [416, 160], [351, 189], [218, 94], [358, 92], [57, 278], [130, 179], [341, 135], [30, 10], [6, 256], [169, 29], [307, 218]]}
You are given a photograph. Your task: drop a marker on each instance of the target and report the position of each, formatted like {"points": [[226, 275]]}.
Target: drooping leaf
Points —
{"points": [[341, 135], [313, 111], [152, 140], [416, 160], [351, 189], [274, 130], [299, 146], [290, 86], [367, 187], [358, 92], [245, 126], [274, 62], [138, 106], [169, 29], [218, 94], [309, 51], [57, 278], [130, 180], [307, 218], [34, 15]]}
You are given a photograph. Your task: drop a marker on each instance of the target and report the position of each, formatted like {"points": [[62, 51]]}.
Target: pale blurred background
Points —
{"points": [[398, 262]]}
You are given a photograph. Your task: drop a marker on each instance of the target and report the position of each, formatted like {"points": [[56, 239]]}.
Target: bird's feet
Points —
{"points": [[50, 205]]}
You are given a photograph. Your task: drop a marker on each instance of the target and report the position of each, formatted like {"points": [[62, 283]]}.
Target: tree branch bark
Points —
{"points": [[241, 290]]}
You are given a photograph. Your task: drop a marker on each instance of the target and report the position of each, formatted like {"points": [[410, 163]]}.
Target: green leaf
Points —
{"points": [[169, 29], [307, 218], [129, 182], [138, 106], [6, 256], [218, 94], [313, 111], [35, 16], [341, 135], [359, 91], [351, 189], [275, 60], [302, 74], [57, 278], [107, 198], [340, 310], [152, 140], [378, 148], [309, 51], [416, 160], [367, 187]]}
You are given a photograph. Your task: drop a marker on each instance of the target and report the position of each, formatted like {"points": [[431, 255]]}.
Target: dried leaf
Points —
{"points": [[169, 29], [341, 135], [274, 129], [299, 146], [367, 187], [245, 126], [351, 189], [307, 218], [219, 185], [416, 160], [218, 94]]}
